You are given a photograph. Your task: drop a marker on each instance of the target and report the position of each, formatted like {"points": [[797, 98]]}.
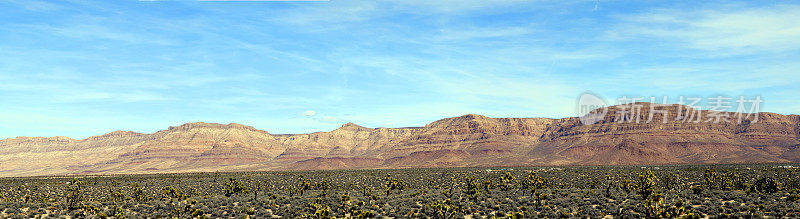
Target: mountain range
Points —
{"points": [[464, 141]]}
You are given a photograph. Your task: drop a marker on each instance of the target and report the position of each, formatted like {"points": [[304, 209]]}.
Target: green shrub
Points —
{"points": [[697, 190], [766, 185], [234, 187]]}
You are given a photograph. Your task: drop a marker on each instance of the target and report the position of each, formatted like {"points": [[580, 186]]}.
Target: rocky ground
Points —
{"points": [[548, 192]]}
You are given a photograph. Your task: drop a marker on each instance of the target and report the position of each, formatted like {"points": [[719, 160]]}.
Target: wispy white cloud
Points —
{"points": [[88, 31], [327, 119], [86, 96], [308, 113], [473, 33], [34, 5], [378, 63], [730, 78], [455, 6], [328, 13], [722, 30]]}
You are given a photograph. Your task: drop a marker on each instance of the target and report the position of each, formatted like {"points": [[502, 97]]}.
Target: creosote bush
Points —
{"points": [[234, 187], [736, 191]]}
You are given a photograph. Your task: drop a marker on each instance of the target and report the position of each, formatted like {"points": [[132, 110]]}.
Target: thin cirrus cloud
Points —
{"points": [[308, 113], [726, 49], [327, 119], [106, 96], [449, 35], [296, 67], [729, 30]]}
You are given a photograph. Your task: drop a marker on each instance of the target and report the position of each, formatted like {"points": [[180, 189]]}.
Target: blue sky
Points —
{"points": [[82, 68]]}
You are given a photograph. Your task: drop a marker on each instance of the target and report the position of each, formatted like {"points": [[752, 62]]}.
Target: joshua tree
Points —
{"points": [[257, 186], [646, 184], [74, 194], [507, 181], [532, 182], [393, 184], [234, 187]]}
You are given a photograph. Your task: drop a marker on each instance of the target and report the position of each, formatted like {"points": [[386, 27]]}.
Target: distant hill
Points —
{"points": [[469, 140]]}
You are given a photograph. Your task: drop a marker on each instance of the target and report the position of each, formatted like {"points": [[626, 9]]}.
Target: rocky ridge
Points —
{"points": [[469, 140]]}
